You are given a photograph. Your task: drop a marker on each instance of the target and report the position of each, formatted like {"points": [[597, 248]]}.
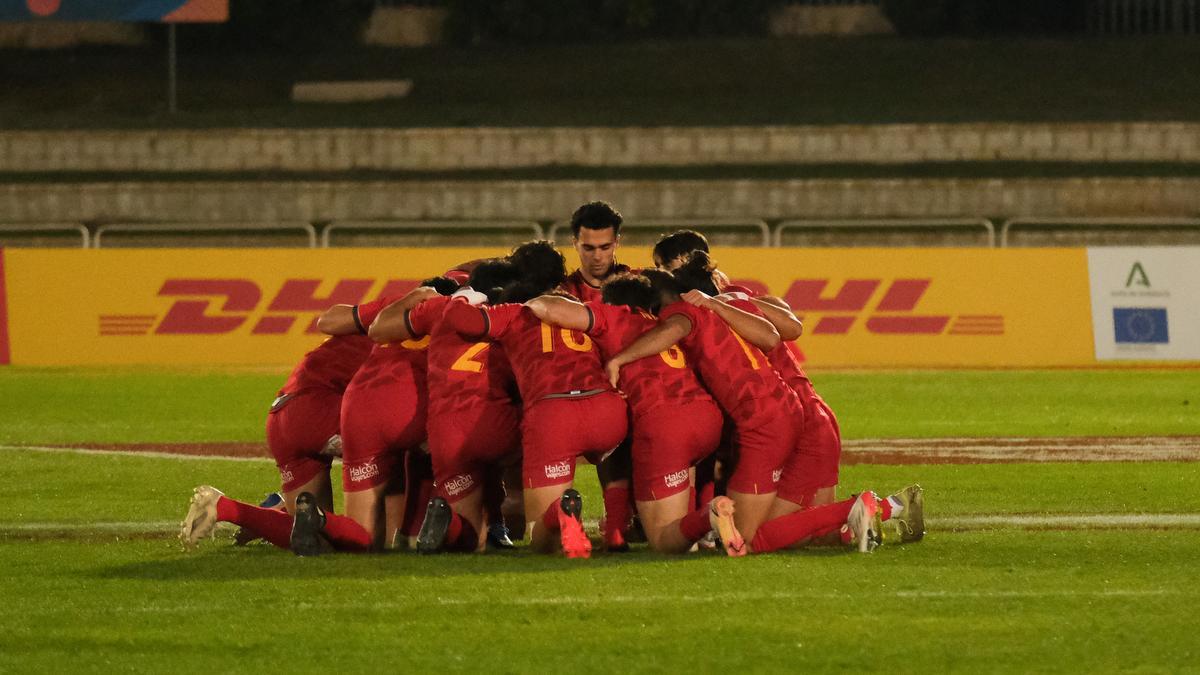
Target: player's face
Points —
{"points": [[597, 251]]}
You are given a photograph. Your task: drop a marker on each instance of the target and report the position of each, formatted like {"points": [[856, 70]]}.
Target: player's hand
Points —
{"points": [[613, 370], [698, 298]]}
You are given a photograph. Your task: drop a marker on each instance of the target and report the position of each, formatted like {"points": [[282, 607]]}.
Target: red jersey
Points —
{"points": [[785, 358], [546, 360], [463, 373], [394, 359], [649, 382], [577, 286], [736, 372], [330, 366]]}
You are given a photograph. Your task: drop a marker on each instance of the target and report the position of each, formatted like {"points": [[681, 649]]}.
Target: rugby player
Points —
{"points": [[676, 424], [473, 422], [727, 345], [569, 410], [812, 475]]}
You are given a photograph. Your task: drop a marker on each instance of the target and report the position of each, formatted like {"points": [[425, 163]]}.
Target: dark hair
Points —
{"points": [[442, 285], [696, 273], [666, 288], [678, 244], [596, 216], [630, 290], [491, 276], [539, 264]]}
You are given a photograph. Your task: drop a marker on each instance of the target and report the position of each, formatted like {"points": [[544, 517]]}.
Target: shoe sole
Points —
{"points": [[575, 542], [306, 530], [731, 539], [916, 526], [201, 518], [860, 520], [432, 537]]}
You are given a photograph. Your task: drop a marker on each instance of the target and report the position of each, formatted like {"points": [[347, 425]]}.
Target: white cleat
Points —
{"points": [[720, 517], [201, 518], [862, 528]]}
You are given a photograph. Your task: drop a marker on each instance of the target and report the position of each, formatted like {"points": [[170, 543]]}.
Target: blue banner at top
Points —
{"points": [[169, 11]]}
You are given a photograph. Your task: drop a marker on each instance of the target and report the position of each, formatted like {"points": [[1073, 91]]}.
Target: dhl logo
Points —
{"points": [[893, 314], [218, 306]]}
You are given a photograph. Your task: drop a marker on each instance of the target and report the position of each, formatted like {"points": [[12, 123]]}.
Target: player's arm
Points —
{"points": [[466, 318], [339, 320], [754, 329], [562, 312], [393, 326], [780, 315], [659, 339]]}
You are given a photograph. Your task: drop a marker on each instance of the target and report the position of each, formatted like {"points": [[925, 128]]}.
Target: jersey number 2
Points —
{"points": [[466, 362]]}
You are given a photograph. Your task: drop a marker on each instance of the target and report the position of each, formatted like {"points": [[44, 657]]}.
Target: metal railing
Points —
{"points": [[51, 228], [988, 229], [1044, 223], [427, 225], [1143, 17], [307, 229], [752, 225]]}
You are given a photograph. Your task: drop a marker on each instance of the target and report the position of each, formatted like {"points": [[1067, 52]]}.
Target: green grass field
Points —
{"points": [[95, 581]]}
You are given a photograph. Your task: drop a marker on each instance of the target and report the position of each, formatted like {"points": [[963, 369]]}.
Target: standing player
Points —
{"points": [[676, 424], [569, 409], [473, 422]]}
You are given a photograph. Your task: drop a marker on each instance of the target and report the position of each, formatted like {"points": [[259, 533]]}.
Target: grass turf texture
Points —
{"points": [[63, 406], [989, 601], [748, 81]]}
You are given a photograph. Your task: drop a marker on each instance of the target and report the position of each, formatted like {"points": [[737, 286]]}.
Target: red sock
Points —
{"points": [[617, 513], [550, 517], [695, 525], [885, 508], [274, 526], [461, 535], [786, 530], [345, 534]]}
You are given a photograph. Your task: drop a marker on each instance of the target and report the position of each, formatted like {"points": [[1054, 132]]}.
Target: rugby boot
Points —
{"points": [[307, 538], [432, 537], [908, 525], [575, 542], [498, 537], [614, 541], [862, 529], [720, 516], [246, 535], [201, 518]]}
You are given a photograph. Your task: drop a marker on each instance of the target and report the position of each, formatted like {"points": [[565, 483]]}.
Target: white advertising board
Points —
{"points": [[1145, 303]]}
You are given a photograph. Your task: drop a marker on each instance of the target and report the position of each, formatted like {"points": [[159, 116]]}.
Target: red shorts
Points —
{"points": [[667, 442], [557, 431], [814, 464], [297, 431], [379, 423], [464, 443], [764, 440]]}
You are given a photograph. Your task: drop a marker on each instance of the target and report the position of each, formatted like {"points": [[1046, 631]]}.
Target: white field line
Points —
{"points": [[134, 453], [1083, 521]]}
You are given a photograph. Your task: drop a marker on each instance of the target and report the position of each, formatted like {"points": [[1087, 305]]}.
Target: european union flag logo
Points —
{"points": [[1141, 325]]}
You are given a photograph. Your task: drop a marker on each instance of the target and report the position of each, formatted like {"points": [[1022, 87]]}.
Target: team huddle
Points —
{"points": [[461, 408]]}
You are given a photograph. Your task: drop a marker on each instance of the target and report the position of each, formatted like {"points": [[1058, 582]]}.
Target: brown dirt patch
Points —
{"points": [[1015, 450], [240, 450]]}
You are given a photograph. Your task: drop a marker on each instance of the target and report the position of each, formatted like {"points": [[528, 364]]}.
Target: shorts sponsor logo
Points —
{"points": [[459, 484], [776, 475], [558, 470], [361, 472], [676, 479]]}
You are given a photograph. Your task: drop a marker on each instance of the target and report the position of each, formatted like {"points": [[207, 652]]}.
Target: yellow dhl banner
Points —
{"points": [[861, 307]]}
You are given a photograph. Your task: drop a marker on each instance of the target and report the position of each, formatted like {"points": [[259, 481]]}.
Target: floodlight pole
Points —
{"points": [[172, 95]]}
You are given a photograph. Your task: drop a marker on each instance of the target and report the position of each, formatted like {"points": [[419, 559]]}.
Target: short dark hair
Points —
{"points": [[664, 284], [630, 290], [696, 273], [678, 244], [539, 264], [596, 216], [491, 276], [442, 285]]}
